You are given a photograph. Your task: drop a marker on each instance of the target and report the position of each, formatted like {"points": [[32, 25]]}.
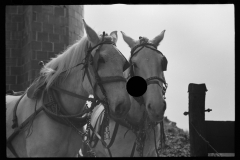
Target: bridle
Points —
{"points": [[145, 43], [139, 130], [53, 106], [99, 81]]}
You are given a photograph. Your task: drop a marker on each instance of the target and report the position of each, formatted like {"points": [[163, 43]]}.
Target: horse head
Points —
{"points": [[108, 66], [149, 63]]}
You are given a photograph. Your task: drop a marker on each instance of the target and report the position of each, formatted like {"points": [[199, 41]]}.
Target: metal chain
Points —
{"points": [[85, 134], [205, 140], [140, 141], [107, 130], [90, 151], [140, 133], [74, 127]]}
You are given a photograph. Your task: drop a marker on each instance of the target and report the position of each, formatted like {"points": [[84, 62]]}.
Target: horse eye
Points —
{"points": [[101, 60]]}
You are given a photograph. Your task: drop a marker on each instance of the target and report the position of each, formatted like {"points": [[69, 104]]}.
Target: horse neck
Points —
{"points": [[73, 83], [136, 111]]}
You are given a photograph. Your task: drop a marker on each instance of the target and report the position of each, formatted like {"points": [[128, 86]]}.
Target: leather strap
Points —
{"points": [[91, 139], [101, 139], [111, 79], [93, 129], [9, 144], [19, 129], [113, 135], [155, 141], [15, 120], [72, 94], [133, 149]]}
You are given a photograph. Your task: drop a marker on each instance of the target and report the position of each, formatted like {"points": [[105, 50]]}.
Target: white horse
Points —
{"points": [[139, 133], [92, 65]]}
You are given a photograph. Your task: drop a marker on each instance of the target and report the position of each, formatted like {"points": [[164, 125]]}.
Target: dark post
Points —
{"points": [[197, 92]]}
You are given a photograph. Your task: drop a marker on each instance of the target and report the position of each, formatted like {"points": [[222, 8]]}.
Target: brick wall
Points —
{"points": [[14, 31], [37, 33]]}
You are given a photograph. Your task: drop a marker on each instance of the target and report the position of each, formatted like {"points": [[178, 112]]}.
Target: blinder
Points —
{"points": [[164, 63], [95, 60], [144, 43]]}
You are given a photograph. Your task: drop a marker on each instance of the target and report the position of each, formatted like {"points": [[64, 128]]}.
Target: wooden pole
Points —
{"points": [[197, 93]]}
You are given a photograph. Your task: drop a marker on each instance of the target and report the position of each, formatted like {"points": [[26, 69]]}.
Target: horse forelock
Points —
{"points": [[73, 55], [108, 38]]}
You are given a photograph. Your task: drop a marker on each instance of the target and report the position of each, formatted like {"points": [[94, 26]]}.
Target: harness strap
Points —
{"points": [[152, 78], [152, 48], [96, 77], [93, 100], [111, 79], [15, 120], [113, 135], [93, 129], [94, 94], [132, 51], [91, 138], [79, 119], [109, 152], [105, 42], [19, 129], [153, 82], [155, 141], [9, 144], [162, 134], [72, 67], [72, 94], [133, 149], [100, 137], [89, 79]]}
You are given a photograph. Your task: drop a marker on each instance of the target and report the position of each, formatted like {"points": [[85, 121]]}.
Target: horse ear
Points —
{"points": [[114, 36], [131, 42], [156, 41], [91, 34]]}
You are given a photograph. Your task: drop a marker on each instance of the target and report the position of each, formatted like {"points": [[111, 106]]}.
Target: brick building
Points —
{"points": [[37, 33]]}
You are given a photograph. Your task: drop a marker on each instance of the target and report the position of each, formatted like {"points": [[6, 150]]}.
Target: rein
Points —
{"points": [[138, 129], [96, 100], [57, 106]]}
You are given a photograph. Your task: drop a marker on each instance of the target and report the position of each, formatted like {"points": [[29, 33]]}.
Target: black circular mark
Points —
{"points": [[136, 86]]}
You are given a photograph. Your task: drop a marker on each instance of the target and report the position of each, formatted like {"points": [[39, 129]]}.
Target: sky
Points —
{"points": [[198, 43]]}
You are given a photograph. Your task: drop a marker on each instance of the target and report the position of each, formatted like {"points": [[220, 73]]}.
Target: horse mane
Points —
{"points": [[71, 56]]}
